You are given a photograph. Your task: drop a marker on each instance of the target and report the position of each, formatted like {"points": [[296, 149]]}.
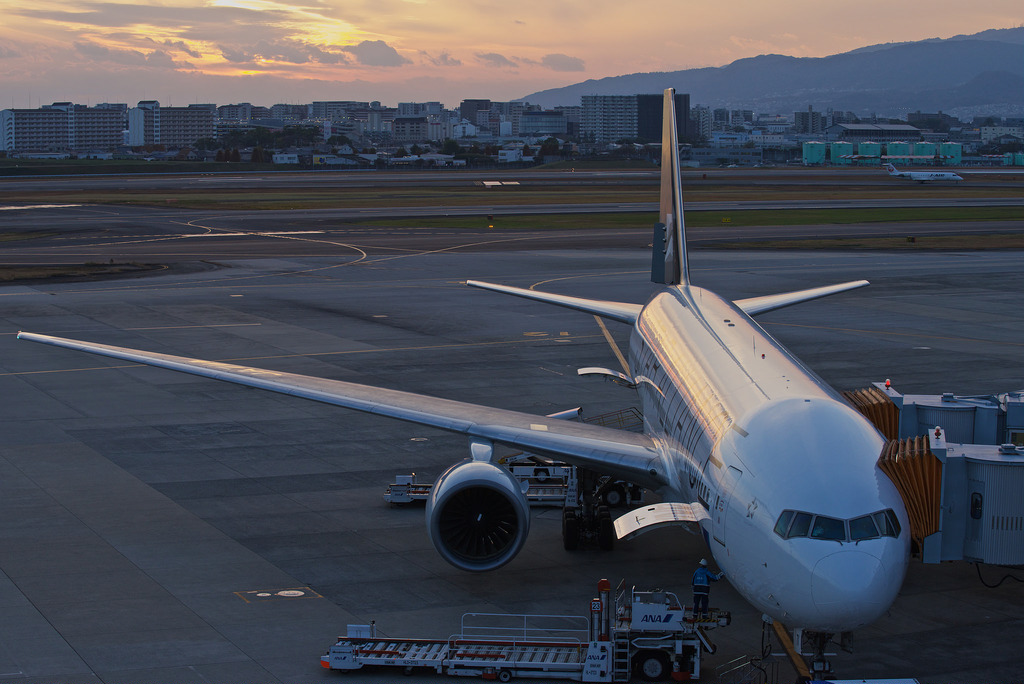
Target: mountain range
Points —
{"points": [[979, 74]]}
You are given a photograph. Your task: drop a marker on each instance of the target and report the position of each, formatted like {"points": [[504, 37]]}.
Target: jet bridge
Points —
{"points": [[962, 483]]}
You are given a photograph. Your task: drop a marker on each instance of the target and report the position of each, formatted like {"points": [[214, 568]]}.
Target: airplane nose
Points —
{"points": [[851, 587]]}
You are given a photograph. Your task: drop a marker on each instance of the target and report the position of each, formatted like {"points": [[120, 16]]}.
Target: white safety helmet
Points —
{"points": [[703, 562]]}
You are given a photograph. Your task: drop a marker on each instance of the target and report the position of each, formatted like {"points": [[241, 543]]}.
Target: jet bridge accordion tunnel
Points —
{"points": [[963, 499]]}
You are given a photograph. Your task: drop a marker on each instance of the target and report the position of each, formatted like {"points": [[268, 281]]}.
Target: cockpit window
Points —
{"points": [[782, 526], [863, 528], [887, 523], [828, 528], [799, 524]]}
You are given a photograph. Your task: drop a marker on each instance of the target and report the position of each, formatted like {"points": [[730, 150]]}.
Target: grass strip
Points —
{"points": [[708, 219]]}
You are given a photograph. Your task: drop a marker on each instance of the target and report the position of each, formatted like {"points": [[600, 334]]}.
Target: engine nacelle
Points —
{"points": [[478, 516]]}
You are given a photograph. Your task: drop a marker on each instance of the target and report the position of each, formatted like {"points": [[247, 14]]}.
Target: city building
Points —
{"points": [[545, 122], [701, 122], [407, 129], [572, 116], [290, 113], [469, 108], [62, 126], [608, 118], [244, 111], [151, 124], [809, 122]]}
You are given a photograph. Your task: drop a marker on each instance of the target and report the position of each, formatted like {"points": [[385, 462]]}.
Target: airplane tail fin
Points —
{"points": [[668, 261], [891, 169]]}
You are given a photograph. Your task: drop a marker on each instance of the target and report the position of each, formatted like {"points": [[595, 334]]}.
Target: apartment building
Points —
{"points": [[62, 126], [151, 124], [607, 118]]}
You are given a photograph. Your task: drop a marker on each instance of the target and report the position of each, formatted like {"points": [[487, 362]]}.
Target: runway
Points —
{"points": [[145, 511], [80, 233]]}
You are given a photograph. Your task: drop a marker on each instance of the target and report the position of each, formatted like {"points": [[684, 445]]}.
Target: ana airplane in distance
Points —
{"points": [[742, 442], [922, 176]]}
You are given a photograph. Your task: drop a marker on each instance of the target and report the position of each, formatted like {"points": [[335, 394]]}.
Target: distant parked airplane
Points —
{"points": [[922, 176]]}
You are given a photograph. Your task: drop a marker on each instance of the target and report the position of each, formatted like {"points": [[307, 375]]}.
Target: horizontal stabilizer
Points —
{"points": [[618, 311], [756, 305], [648, 518]]}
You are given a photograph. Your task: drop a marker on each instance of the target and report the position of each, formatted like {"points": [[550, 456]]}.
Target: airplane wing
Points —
{"points": [[756, 305], [627, 455]]}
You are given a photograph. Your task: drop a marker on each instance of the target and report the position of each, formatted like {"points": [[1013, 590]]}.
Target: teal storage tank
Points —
{"points": [[951, 153], [814, 153], [870, 149], [838, 150], [924, 149], [898, 149]]}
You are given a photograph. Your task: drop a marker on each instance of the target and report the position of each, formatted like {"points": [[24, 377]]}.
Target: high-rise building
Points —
{"points": [[543, 123], [650, 113], [469, 108], [406, 109], [62, 126], [809, 122], [289, 112], [607, 118], [243, 111], [337, 110], [151, 124], [700, 122]]}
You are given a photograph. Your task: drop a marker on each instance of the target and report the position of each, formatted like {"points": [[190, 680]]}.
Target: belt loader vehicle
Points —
{"points": [[649, 634]]}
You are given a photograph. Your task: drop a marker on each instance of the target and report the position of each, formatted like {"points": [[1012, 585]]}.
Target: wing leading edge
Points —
{"points": [[627, 455]]}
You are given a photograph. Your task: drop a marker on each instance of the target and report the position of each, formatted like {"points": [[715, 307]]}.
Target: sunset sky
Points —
{"points": [[265, 52]]}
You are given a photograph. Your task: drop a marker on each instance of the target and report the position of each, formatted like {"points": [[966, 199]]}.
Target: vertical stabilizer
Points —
{"points": [[669, 259]]}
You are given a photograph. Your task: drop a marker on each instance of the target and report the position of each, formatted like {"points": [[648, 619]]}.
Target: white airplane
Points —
{"points": [[922, 176], [743, 443]]}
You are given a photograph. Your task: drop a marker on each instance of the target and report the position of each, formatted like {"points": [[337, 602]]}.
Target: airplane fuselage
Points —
{"points": [[749, 432]]}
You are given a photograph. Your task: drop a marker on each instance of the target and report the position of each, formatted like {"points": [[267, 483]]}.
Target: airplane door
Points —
{"points": [[721, 510]]}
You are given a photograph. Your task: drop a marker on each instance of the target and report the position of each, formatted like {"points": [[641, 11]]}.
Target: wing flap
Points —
{"points": [[641, 520], [624, 454]]}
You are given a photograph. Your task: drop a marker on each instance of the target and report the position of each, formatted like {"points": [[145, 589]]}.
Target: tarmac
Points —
{"points": [[152, 520]]}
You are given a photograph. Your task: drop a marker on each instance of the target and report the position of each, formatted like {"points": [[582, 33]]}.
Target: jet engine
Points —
{"points": [[478, 516]]}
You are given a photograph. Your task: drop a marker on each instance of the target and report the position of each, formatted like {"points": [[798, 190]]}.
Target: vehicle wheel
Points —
{"points": [[605, 530], [504, 676], [614, 496], [570, 529], [651, 666]]}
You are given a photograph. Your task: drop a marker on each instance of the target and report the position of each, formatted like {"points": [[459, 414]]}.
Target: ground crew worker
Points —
{"points": [[701, 582]]}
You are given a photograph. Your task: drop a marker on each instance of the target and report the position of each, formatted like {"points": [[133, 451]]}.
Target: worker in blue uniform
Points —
{"points": [[701, 582]]}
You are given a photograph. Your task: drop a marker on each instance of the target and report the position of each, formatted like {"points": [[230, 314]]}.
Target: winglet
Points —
{"points": [[668, 261]]}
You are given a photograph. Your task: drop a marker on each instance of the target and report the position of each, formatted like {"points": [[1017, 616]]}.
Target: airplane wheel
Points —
{"points": [[651, 666], [570, 529], [605, 530]]}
